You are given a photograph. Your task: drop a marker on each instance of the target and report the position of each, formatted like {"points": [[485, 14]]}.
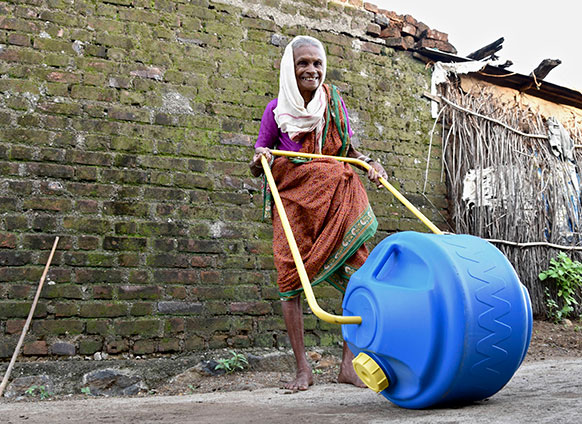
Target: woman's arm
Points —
{"points": [[377, 169], [268, 134]]}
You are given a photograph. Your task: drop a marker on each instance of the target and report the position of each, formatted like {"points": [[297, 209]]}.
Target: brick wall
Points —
{"points": [[126, 127]]}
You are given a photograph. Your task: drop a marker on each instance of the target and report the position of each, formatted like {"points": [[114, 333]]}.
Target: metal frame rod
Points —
{"points": [[303, 277], [367, 166]]}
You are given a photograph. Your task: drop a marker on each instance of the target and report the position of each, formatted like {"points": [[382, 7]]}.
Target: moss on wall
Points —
{"points": [[126, 128]]}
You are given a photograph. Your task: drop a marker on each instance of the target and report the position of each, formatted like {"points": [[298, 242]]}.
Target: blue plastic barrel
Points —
{"points": [[445, 318]]}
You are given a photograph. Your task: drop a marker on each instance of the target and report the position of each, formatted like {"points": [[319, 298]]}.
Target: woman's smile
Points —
{"points": [[308, 61]]}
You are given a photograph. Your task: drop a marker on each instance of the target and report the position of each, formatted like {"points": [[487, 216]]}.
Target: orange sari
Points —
{"points": [[328, 211]]}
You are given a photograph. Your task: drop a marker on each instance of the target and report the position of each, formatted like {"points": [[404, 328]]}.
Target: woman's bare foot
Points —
{"points": [[303, 379], [348, 375]]}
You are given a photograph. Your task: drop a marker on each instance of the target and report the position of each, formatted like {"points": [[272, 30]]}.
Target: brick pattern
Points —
{"points": [[403, 31], [126, 128]]}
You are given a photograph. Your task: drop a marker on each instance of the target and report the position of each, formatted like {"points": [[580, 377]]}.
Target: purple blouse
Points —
{"points": [[270, 135]]}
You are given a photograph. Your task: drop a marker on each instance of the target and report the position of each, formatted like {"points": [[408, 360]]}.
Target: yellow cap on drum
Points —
{"points": [[370, 372]]}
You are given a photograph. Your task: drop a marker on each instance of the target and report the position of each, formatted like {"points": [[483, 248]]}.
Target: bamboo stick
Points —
{"points": [[28, 320]]}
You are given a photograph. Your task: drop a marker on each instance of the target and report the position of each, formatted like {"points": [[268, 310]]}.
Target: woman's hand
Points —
{"points": [[375, 172], [255, 165]]}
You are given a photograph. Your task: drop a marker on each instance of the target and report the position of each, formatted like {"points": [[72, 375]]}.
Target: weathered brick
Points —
{"points": [[66, 310], [19, 39], [142, 347], [63, 349], [125, 208], [87, 225], [47, 204], [160, 229], [142, 309], [100, 327], [174, 326], [45, 242], [143, 328], [89, 346], [184, 276], [88, 242], [204, 326], [63, 291], [169, 345], [124, 243], [89, 158], [373, 30], [180, 308], [391, 31], [7, 240], [14, 258], [117, 346], [37, 348], [103, 292], [251, 308], [437, 44], [400, 42], [49, 327], [103, 310], [200, 246], [124, 177], [139, 292], [194, 343], [14, 326], [168, 261], [88, 275], [15, 24], [93, 93]]}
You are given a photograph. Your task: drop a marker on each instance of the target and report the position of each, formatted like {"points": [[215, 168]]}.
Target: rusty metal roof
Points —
{"points": [[506, 78]]}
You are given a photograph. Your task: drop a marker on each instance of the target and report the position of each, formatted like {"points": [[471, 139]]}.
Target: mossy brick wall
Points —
{"points": [[126, 128]]}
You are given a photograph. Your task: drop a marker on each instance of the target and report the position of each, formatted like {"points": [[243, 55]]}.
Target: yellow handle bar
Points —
{"points": [[303, 277], [385, 183]]}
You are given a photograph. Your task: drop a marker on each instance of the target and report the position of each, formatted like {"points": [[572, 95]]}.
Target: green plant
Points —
{"points": [[41, 391], [237, 361], [567, 274], [86, 390]]}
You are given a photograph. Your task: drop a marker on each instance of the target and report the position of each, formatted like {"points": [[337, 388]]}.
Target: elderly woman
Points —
{"points": [[325, 201]]}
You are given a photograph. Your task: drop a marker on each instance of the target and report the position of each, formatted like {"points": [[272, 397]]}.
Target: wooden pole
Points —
{"points": [[28, 320]]}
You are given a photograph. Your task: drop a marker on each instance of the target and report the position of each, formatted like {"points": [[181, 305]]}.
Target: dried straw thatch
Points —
{"points": [[507, 185]]}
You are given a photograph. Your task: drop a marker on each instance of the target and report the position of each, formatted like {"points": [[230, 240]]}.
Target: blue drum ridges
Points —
{"points": [[490, 320]]}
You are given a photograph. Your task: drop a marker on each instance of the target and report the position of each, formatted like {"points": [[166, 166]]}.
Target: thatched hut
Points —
{"points": [[512, 162]]}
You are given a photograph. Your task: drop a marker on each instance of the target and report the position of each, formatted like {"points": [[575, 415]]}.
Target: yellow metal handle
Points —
{"points": [[303, 277], [385, 183]]}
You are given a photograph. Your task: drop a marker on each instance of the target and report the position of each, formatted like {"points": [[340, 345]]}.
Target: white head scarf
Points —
{"points": [[290, 114]]}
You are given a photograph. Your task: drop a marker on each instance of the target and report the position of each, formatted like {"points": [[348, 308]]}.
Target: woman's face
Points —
{"points": [[308, 70]]}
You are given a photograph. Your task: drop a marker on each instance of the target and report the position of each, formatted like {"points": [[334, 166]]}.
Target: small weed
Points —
{"points": [[40, 391], [86, 391], [237, 361], [317, 371], [567, 275]]}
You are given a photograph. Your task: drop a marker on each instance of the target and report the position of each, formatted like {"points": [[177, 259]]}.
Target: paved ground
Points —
{"points": [[547, 391]]}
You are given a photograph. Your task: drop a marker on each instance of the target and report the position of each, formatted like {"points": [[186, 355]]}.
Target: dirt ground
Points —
{"points": [[547, 388], [549, 341]]}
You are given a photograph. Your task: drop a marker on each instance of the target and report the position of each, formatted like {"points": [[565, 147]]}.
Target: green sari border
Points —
{"points": [[361, 231]]}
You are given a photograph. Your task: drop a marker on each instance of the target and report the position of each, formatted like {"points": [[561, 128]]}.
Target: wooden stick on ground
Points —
{"points": [[28, 320]]}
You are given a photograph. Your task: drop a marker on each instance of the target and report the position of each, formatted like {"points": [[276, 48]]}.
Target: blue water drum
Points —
{"points": [[445, 319]]}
